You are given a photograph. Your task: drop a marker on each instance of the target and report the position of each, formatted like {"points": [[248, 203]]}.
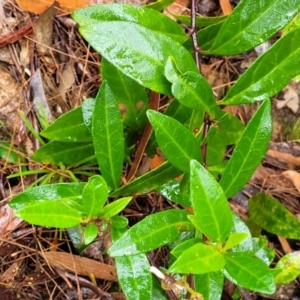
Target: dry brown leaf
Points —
{"points": [[285, 245], [67, 80], [291, 99], [284, 157], [294, 177], [226, 7], [65, 6], [177, 8], [80, 265], [7, 220]]}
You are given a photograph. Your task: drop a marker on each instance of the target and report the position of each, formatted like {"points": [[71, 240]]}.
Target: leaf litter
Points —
{"points": [[39, 262]]}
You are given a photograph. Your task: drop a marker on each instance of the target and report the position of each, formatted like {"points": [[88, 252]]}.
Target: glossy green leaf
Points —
{"points": [[240, 226], [171, 190], [160, 4], [114, 208], [199, 259], [69, 127], [133, 274], [235, 239], [290, 266], [250, 24], [213, 215], [138, 52], [107, 132], [149, 181], [152, 232], [55, 205], [176, 142], [191, 89], [132, 98], [87, 112], [272, 216], [269, 74], [249, 151], [178, 250], [119, 222], [56, 153], [90, 233], [94, 195], [248, 272], [140, 15], [178, 111], [201, 21], [262, 250], [210, 285]]}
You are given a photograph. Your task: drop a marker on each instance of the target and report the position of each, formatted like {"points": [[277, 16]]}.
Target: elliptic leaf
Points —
{"points": [[140, 15], [152, 232], [138, 52], [290, 268], [212, 211], [249, 151], [272, 216], [149, 181], [270, 73], [69, 127], [107, 132], [90, 233], [160, 4], [210, 285], [249, 25], [262, 251], [176, 142], [55, 205], [94, 195], [235, 239], [201, 21], [199, 259], [114, 208], [118, 222], [132, 98], [248, 272], [65, 153], [133, 274], [182, 247]]}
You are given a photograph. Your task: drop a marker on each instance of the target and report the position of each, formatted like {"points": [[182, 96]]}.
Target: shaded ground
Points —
{"points": [[65, 72]]}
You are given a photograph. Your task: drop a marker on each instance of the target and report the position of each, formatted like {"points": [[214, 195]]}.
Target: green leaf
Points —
{"points": [[132, 98], [171, 190], [212, 211], [191, 89], [152, 232], [149, 181], [250, 24], [249, 151], [133, 274], [262, 251], [90, 233], [272, 216], [240, 226], [56, 153], [269, 74], [140, 15], [182, 247], [160, 4], [69, 127], [11, 155], [54, 205], [87, 112], [290, 268], [94, 196], [114, 208], [248, 272], [138, 52], [119, 222], [201, 21], [178, 111], [235, 239], [210, 285], [107, 131], [199, 259], [176, 142]]}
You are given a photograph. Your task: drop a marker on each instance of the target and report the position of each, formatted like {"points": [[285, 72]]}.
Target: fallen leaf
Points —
{"points": [[7, 220], [291, 99], [284, 157], [65, 6], [67, 80], [80, 265], [294, 177]]}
